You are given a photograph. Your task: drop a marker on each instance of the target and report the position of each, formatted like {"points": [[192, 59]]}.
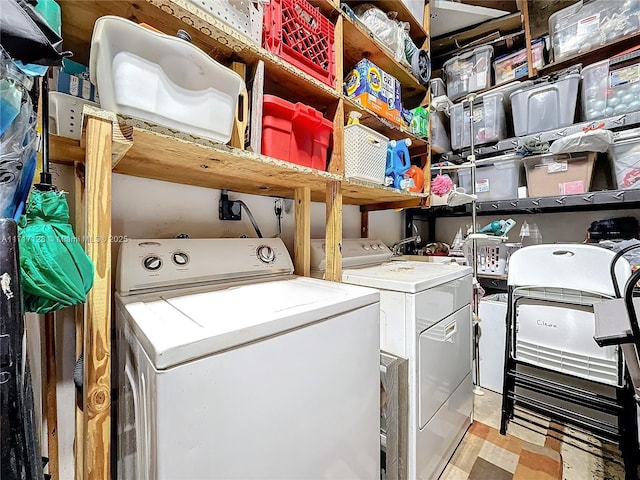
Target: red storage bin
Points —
{"points": [[296, 133], [299, 33]]}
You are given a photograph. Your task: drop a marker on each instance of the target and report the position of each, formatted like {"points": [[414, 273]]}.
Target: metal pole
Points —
{"points": [[474, 248]]}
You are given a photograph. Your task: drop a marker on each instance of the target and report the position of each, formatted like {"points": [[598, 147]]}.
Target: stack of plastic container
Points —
{"points": [[468, 72], [586, 25], [549, 104], [491, 122], [612, 86]]}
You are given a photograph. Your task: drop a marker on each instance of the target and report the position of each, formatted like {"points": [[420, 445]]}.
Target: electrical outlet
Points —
{"points": [[278, 206], [229, 209]]}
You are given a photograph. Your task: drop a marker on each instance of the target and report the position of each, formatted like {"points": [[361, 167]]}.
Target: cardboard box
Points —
{"points": [[73, 79], [375, 89], [567, 174]]}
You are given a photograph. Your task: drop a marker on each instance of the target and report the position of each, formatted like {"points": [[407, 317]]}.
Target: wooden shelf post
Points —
{"points": [[97, 328], [333, 233], [302, 237]]}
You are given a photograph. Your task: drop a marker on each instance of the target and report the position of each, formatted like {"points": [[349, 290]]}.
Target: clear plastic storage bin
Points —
{"points": [[438, 88], [496, 179], [439, 135], [611, 87], [545, 106], [625, 159], [489, 121], [468, 72], [583, 26], [564, 174], [514, 65], [491, 112]]}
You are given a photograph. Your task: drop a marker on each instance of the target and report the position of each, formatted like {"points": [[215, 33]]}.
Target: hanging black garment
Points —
{"points": [[19, 452], [25, 35]]}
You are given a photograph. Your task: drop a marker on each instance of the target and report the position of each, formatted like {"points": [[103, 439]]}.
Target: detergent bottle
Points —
{"points": [[398, 161]]}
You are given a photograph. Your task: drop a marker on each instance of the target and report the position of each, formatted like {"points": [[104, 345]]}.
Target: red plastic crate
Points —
{"points": [[296, 133], [299, 33]]}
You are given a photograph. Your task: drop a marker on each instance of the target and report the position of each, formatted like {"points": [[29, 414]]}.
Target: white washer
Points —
{"points": [[425, 316], [230, 367]]}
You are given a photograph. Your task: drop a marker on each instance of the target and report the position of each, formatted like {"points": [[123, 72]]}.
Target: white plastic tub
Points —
{"points": [[496, 179], [545, 106], [162, 79]]}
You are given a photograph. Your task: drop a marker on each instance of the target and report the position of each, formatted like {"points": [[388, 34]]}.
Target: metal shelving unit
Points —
{"points": [[616, 123]]}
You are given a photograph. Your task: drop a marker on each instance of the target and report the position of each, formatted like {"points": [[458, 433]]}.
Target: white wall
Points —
{"points": [[144, 208]]}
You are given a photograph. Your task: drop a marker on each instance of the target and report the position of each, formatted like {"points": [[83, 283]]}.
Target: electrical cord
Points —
{"points": [[253, 220], [278, 211]]}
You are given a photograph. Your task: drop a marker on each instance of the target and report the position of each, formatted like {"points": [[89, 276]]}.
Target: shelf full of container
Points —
{"points": [[617, 122], [207, 32], [200, 162]]}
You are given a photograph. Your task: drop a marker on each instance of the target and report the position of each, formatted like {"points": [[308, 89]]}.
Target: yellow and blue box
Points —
{"points": [[375, 89]]}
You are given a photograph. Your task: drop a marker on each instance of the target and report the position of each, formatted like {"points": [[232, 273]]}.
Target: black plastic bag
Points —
{"points": [[25, 35]]}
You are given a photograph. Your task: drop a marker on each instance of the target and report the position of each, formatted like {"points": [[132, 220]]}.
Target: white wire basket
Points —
{"points": [[244, 16], [66, 113], [365, 154]]}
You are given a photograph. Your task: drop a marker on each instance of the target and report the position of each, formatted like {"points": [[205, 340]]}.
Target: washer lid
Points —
{"points": [[405, 276], [179, 328]]}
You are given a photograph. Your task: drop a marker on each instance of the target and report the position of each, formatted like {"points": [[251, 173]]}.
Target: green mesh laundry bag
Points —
{"points": [[55, 270]]}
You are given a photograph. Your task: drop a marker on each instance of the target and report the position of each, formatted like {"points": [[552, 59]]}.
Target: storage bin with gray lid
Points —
{"points": [[468, 72], [497, 178], [548, 105], [491, 113]]}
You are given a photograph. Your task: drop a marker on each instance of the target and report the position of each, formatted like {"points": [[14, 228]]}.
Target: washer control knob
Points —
{"points": [[366, 247], [152, 263], [180, 258], [265, 254], [374, 246]]}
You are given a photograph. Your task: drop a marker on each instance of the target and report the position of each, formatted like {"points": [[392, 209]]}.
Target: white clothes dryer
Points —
{"points": [[425, 317]]}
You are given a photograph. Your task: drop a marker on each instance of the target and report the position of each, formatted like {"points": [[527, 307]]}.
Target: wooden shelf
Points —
{"points": [[417, 31], [359, 43], [327, 7], [460, 40], [602, 52], [205, 164], [209, 34], [386, 128]]}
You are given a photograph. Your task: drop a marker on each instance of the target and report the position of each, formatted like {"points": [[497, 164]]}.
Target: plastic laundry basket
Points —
{"points": [[365, 153], [162, 79]]}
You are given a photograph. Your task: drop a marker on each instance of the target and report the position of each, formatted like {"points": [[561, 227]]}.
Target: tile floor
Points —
{"points": [[588, 460]]}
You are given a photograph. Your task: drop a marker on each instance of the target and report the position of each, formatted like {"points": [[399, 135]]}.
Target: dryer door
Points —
{"points": [[444, 361]]}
